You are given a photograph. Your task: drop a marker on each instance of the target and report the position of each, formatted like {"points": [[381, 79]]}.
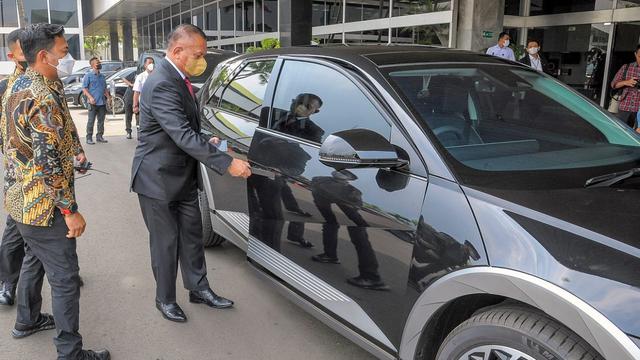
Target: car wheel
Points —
{"points": [[209, 237], [515, 333], [117, 104]]}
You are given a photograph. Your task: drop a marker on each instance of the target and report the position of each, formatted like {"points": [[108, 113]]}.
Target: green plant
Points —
{"points": [[93, 44], [518, 50], [265, 44]]}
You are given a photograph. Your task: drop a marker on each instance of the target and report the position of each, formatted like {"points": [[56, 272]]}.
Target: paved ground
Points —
{"points": [[117, 303]]}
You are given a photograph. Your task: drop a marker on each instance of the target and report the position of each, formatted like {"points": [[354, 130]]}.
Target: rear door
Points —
{"points": [[341, 239], [232, 113]]}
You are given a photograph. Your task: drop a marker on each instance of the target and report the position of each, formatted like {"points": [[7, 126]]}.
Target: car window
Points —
{"points": [[501, 118], [245, 93], [111, 67], [313, 101]]}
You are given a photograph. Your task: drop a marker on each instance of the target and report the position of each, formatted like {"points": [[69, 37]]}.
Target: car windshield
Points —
{"points": [[121, 74], [496, 118]]}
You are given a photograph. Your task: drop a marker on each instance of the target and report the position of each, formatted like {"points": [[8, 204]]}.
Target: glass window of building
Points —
{"points": [[423, 35], [175, 22], [74, 45], [211, 17], [185, 5], [195, 3], [328, 38], [186, 18], [4, 49], [411, 7], [318, 16], [368, 37], [167, 31], [166, 13], [35, 11], [247, 8], [366, 10], [197, 18], [175, 9], [152, 37], [270, 15], [64, 12], [623, 4], [159, 36], [159, 15], [512, 7], [9, 14], [576, 55], [547, 7], [227, 18]]}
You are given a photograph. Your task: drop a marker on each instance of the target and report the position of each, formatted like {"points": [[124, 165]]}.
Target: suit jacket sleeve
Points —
{"points": [[167, 108]]}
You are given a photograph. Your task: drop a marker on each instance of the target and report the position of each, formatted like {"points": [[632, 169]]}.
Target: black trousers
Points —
{"points": [[11, 253], [99, 111], [128, 113], [48, 250], [175, 236]]}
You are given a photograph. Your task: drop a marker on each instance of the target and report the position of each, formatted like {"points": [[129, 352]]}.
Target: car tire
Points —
{"points": [[511, 332], [118, 103], [209, 237]]}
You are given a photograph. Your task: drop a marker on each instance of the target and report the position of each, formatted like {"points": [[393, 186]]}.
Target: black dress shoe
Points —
{"points": [[171, 312], [128, 134], [95, 355], [325, 259], [101, 140], [45, 322], [210, 298], [7, 294], [369, 284], [90, 141], [301, 242]]}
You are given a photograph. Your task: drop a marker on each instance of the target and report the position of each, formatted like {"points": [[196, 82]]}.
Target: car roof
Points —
{"points": [[384, 55]]}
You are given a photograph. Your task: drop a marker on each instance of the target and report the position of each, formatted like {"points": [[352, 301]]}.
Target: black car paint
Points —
{"points": [[584, 240]]}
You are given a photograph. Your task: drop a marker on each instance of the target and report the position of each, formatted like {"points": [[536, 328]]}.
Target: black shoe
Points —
{"points": [[94, 355], [171, 312], [301, 242], [368, 284], [7, 294], [100, 139], [45, 322], [80, 281], [128, 134], [90, 141], [300, 212], [325, 259], [210, 298]]}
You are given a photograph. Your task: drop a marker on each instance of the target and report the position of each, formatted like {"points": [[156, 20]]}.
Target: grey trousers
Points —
{"points": [[175, 236], [11, 253], [48, 250]]}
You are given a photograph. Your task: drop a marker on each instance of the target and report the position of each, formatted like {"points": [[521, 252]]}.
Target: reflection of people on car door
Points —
{"points": [[336, 189]]}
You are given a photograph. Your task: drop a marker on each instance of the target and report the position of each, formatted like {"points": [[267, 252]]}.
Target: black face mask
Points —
{"points": [[24, 64], [99, 67]]}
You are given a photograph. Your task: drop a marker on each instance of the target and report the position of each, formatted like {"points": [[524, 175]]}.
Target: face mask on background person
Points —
{"points": [[506, 43], [533, 50], [196, 67], [99, 67], [150, 67], [65, 65]]}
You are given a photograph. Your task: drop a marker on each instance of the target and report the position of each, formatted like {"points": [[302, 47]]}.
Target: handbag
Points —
{"points": [[616, 95]]}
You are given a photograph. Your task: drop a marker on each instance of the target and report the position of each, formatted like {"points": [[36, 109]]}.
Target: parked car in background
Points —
{"points": [[74, 94], [431, 204], [213, 58]]}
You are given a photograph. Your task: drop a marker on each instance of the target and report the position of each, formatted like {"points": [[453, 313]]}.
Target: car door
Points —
{"points": [[340, 238], [232, 114]]}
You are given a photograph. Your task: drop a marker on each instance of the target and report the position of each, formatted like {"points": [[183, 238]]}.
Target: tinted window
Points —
{"points": [[245, 94], [111, 66], [502, 118], [313, 101]]}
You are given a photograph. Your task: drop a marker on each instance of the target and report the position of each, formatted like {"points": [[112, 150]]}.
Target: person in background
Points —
{"points": [[502, 49], [128, 102], [12, 246], [533, 57], [94, 87], [139, 84], [627, 78], [41, 145]]}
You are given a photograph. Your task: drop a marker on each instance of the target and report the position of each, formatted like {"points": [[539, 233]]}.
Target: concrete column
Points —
{"points": [[127, 38], [114, 41], [295, 22], [476, 19]]}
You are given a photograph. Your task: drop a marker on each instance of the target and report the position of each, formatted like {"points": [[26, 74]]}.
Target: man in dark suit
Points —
{"points": [[165, 173], [533, 58]]}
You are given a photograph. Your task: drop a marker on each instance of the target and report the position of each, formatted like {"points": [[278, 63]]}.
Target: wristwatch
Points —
{"points": [[71, 210]]}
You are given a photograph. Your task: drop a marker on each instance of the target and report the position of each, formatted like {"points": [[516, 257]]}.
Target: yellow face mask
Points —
{"points": [[196, 67]]}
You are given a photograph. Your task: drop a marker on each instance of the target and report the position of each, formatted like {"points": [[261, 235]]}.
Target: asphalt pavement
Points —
{"points": [[117, 308]]}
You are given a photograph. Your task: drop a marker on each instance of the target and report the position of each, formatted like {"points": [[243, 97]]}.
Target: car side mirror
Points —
{"points": [[356, 148]]}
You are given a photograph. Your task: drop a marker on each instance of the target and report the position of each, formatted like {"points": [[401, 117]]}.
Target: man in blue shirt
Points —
{"points": [[94, 87], [502, 49]]}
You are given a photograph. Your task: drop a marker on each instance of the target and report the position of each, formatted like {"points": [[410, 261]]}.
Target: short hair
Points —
{"points": [[13, 37], [502, 34], [147, 59], [533, 40], [304, 99], [92, 59], [182, 31], [37, 37]]}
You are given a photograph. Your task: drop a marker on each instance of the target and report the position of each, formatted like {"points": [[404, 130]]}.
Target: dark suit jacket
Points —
{"points": [[545, 64], [165, 165]]}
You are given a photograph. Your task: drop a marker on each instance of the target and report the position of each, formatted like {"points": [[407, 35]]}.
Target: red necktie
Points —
{"points": [[186, 81]]}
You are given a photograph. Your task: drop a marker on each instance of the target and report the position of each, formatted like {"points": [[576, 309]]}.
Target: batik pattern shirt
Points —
{"points": [[5, 85], [40, 145]]}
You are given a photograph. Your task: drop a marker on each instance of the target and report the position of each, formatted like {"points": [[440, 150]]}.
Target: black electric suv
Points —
{"points": [[431, 203]]}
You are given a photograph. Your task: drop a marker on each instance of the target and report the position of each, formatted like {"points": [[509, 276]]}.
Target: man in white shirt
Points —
{"points": [[139, 84], [502, 49]]}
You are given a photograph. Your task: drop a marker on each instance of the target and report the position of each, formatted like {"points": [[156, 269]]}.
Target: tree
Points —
{"points": [[93, 44], [265, 44]]}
